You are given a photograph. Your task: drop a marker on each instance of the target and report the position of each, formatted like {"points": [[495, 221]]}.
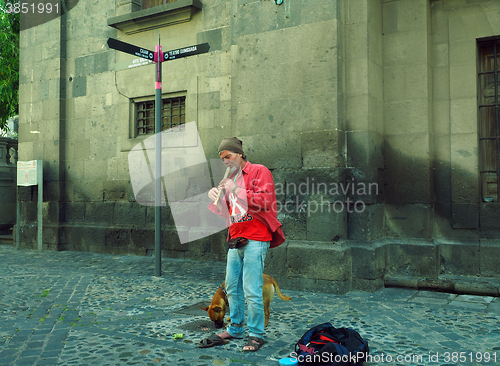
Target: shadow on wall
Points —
{"points": [[409, 198], [407, 202], [411, 227], [436, 200]]}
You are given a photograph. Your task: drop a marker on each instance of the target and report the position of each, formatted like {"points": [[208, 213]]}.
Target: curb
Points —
{"points": [[7, 239], [458, 285]]}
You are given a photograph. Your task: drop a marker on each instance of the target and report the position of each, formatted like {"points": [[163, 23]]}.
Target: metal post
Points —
{"points": [[497, 116], [158, 125], [18, 219], [158, 57], [39, 172]]}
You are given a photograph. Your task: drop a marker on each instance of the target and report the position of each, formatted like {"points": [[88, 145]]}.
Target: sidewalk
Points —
{"points": [[73, 308]]}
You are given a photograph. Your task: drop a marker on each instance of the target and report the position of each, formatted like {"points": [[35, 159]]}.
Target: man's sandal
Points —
{"points": [[254, 342], [213, 340]]}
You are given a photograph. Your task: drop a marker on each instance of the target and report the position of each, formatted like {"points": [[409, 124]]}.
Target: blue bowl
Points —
{"points": [[289, 361]]}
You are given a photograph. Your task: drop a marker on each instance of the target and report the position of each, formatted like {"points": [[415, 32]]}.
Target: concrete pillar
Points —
{"points": [[42, 117], [364, 117], [408, 134]]}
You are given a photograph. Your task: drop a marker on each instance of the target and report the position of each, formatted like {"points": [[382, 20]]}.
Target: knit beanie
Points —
{"points": [[231, 144]]}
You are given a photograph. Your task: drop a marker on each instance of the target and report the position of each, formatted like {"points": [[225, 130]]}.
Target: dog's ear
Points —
{"points": [[205, 308]]}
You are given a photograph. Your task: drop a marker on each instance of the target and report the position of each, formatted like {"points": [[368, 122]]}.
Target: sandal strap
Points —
{"points": [[214, 337], [255, 345], [257, 339]]}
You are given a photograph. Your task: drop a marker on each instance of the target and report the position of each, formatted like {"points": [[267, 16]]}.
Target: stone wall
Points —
{"points": [[364, 110]]}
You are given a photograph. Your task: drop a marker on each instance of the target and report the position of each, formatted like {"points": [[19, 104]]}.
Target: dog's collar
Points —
{"points": [[223, 289]]}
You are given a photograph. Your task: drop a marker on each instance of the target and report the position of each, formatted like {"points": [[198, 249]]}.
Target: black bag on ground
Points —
{"points": [[325, 345]]}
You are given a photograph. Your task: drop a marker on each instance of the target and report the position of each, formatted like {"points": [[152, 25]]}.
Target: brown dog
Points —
{"points": [[217, 309]]}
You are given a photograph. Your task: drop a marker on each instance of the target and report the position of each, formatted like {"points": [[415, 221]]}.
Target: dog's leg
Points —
{"points": [[267, 294]]}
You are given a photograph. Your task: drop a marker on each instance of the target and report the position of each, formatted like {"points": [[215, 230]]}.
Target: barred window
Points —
{"points": [[173, 114], [146, 4], [489, 123]]}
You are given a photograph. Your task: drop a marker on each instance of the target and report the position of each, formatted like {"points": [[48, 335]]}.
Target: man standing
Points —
{"points": [[248, 201]]}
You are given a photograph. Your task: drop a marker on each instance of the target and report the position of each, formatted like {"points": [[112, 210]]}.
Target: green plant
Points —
{"points": [[242, 361], [9, 64]]}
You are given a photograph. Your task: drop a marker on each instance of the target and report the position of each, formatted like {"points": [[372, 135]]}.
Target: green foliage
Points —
{"points": [[45, 293], [9, 64]]}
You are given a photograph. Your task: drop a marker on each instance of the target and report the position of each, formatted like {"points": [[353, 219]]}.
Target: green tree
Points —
{"points": [[9, 63]]}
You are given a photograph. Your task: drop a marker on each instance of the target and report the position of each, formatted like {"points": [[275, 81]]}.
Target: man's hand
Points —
{"points": [[229, 186], [212, 194]]}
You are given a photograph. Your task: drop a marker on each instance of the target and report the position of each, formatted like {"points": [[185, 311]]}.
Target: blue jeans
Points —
{"points": [[244, 281]]}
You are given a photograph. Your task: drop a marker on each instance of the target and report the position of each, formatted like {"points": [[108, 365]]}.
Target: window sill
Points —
{"points": [[159, 16]]}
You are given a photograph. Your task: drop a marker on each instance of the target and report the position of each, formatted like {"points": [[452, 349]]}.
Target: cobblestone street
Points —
{"points": [[74, 308]]}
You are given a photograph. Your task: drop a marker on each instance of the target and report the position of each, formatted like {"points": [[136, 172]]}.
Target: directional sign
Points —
{"points": [[186, 51], [130, 64], [130, 48]]}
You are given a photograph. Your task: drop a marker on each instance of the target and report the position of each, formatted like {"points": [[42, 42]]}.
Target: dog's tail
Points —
{"points": [[275, 284]]}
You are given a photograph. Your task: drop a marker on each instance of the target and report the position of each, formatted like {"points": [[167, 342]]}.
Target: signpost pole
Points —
{"points": [[158, 129], [158, 57], [39, 172], [18, 218]]}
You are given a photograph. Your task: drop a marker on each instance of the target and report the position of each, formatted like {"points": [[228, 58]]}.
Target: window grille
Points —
{"points": [[489, 122], [173, 114]]}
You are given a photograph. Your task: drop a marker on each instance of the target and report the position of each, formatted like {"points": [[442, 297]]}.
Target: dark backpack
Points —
{"points": [[325, 345]]}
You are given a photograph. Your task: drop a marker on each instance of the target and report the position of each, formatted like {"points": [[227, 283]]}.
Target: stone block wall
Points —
{"points": [[364, 111]]}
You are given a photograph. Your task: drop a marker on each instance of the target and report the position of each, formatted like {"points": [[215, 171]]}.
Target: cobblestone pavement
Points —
{"points": [[73, 308]]}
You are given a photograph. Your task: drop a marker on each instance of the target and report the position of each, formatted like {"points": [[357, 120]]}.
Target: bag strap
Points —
{"points": [[322, 338], [306, 349], [326, 337]]}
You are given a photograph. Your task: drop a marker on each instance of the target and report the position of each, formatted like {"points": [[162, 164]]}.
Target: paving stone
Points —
{"points": [[475, 299], [42, 330], [34, 345], [437, 295], [24, 333], [7, 357], [25, 361], [30, 352], [111, 309], [19, 339], [429, 300], [469, 305], [47, 362], [48, 353], [494, 307]]}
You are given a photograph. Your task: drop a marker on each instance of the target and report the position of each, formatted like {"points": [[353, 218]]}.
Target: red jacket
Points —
{"points": [[260, 196]]}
